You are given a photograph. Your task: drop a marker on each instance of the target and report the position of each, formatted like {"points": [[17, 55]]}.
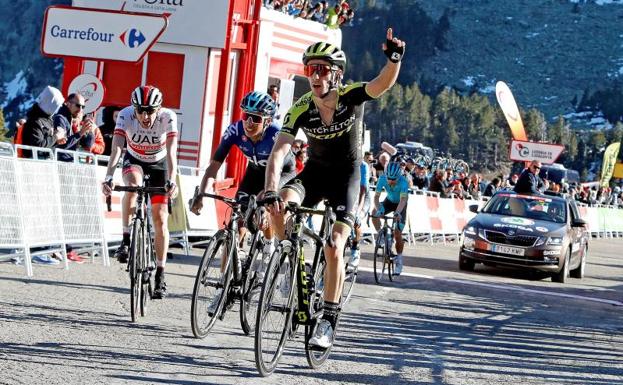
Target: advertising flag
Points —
{"points": [[610, 159]]}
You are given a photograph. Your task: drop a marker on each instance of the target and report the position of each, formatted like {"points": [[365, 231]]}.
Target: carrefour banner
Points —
{"points": [[610, 159], [97, 34]]}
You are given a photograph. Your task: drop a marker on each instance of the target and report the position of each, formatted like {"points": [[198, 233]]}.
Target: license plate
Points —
{"points": [[508, 250]]}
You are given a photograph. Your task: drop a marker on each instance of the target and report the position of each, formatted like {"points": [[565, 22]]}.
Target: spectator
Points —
{"points": [[317, 13], [107, 129], [529, 181], [333, 17], [39, 129], [437, 184], [79, 133], [98, 146], [474, 187], [19, 130], [369, 158], [513, 180], [301, 158], [492, 187], [420, 179], [383, 159]]}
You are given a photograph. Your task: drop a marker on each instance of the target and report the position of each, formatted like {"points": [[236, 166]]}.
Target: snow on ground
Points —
{"points": [[15, 87]]}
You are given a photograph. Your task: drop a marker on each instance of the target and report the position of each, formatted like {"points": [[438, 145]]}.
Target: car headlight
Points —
{"points": [[470, 230], [554, 241]]}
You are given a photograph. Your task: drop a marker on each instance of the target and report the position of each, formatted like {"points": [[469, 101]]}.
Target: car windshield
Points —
{"points": [[526, 206]]}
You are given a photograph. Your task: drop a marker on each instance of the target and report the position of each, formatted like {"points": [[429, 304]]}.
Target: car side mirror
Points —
{"points": [[578, 222], [473, 208]]}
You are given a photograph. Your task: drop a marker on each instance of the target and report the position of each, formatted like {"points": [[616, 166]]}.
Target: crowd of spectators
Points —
{"points": [[332, 13]]}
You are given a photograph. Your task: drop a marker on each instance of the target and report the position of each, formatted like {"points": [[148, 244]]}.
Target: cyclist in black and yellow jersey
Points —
{"points": [[327, 116]]}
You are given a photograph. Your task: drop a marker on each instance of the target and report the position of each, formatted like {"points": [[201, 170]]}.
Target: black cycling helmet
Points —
{"points": [[325, 51]]}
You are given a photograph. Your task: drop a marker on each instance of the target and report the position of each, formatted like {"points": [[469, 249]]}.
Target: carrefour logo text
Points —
{"points": [[89, 34]]}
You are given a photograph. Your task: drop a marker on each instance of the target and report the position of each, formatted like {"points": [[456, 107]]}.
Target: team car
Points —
{"points": [[538, 232]]}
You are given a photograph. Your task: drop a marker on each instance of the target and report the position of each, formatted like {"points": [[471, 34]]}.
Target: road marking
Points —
{"points": [[505, 287]]}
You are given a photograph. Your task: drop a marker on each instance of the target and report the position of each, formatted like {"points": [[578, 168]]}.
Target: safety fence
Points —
{"points": [[49, 203]]}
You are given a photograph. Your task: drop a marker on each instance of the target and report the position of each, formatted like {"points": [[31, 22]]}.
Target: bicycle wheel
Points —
{"points": [[135, 279], [379, 259], [350, 277], [389, 257], [251, 289], [145, 273], [316, 356], [276, 308], [214, 274]]}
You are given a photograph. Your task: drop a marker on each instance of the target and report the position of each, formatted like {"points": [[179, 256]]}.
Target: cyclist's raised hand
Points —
{"points": [[393, 47]]}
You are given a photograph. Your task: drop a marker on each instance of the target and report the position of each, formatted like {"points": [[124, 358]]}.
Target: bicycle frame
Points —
{"points": [[306, 285]]}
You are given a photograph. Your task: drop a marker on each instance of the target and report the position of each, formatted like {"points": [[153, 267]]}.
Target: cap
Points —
{"points": [[50, 100]]}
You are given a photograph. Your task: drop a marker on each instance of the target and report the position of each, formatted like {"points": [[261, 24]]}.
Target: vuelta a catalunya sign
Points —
{"points": [[522, 151], [99, 34], [91, 88]]}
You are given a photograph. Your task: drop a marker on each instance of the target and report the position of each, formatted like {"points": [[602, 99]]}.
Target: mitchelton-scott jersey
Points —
{"points": [[147, 144], [339, 143]]}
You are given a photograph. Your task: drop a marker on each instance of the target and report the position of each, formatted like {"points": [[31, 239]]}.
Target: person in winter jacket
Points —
{"points": [[109, 117], [39, 129], [79, 132]]}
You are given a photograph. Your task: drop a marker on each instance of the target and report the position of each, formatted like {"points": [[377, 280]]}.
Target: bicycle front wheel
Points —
{"points": [[136, 253], [144, 268], [211, 285], [389, 257], [276, 308], [379, 260], [251, 289]]}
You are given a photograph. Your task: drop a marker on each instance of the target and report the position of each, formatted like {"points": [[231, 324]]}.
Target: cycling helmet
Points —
{"points": [[146, 97], [325, 51], [393, 170], [258, 103]]}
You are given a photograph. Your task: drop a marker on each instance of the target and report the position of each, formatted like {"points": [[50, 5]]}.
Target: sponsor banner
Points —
{"points": [[610, 160], [191, 22], [511, 112], [547, 153], [96, 34], [91, 88]]}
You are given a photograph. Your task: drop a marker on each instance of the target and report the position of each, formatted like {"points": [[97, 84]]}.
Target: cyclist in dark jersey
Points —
{"points": [[327, 116], [254, 135]]}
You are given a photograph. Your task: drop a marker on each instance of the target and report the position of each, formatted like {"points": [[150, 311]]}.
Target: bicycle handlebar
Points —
{"points": [[144, 190]]}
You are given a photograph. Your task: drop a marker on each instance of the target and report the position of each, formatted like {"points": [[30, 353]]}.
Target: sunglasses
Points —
{"points": [[252, 118], [321, 69], [81, 106], [148, 110], [536, 167]]}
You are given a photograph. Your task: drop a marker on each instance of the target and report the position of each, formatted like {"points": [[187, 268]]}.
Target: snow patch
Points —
{"points": [[469, 81], [15, 87]]}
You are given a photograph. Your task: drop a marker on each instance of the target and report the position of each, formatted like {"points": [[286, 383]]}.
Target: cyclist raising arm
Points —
{"points": [[327, 117], [150, 132]]}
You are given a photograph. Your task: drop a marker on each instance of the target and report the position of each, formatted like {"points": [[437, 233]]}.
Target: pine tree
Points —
{"points": [[3, 130]]}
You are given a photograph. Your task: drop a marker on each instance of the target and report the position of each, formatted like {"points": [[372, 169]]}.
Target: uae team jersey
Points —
{"points": [[147, 144], [339, 143]]}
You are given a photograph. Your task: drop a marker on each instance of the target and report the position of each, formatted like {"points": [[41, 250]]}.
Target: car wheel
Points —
{"points": [[579, 271], [466, 264], [562, 275]]}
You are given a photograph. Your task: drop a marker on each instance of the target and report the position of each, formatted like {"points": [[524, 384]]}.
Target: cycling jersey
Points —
{"points": [[400, 189], [338, 143], [147, 144], [365, 175], [257, 154]]}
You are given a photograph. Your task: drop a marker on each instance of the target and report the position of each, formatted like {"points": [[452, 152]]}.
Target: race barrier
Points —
{"points": [[49, 203]]}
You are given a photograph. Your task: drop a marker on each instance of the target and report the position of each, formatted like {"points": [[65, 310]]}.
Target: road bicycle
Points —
{"points": [[383, 257], [292, 292], [224, 276], [141, 255]]}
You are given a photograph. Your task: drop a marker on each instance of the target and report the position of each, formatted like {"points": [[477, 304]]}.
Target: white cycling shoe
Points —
{"points": [[323, 335], [355, 256]]}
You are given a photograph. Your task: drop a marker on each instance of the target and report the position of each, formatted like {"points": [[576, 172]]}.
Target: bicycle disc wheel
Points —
{"points": [[251, 289], [135, 279], [213, 275], [316, 356], [275, 310], [379, 261]]}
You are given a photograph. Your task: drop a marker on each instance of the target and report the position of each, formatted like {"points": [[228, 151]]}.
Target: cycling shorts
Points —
{"points": [[389, 207], [157, 172], [340, 186]]}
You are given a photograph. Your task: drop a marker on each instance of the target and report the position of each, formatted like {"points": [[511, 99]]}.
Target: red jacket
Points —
{"points": [[98, 145]]}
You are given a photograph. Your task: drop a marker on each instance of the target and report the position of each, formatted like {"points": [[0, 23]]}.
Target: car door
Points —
{"points": [[576, 234]]}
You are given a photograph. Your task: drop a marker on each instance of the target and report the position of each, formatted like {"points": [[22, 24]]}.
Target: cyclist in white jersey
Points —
{"points": [[150, 132]]}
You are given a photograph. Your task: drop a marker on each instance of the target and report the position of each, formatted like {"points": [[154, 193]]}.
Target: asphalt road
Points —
{"points": [[435, 325]]}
